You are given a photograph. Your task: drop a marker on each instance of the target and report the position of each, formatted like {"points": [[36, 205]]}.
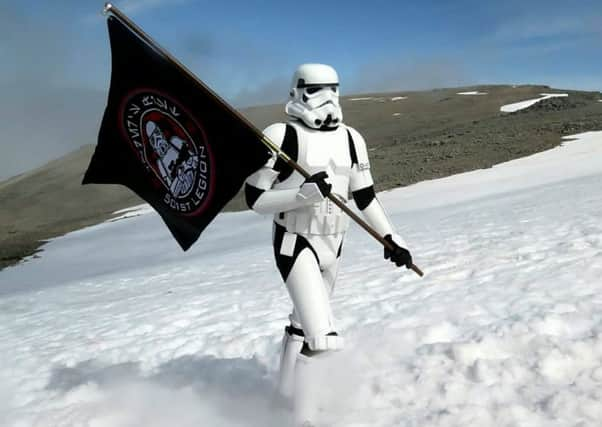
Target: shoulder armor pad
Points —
{"points": [[275, 132], [361, 152], [290, 146]]}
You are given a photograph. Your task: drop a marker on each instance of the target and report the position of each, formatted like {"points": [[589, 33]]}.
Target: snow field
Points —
{"points": [[506, 333], [115, 326], [94, 341]]}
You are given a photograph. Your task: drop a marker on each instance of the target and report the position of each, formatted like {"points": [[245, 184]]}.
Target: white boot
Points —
{"points": [[291, 347], [311, 375], [304, 402]]}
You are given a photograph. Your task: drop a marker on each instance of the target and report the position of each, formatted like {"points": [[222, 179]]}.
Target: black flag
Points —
{"points": [[170, 139]]}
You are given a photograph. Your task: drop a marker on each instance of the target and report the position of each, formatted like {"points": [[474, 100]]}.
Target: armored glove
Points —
{"points": [[400, 256], [315, 188]]}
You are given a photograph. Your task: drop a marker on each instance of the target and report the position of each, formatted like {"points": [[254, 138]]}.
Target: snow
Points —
{"points": [[370, 98], [114, 326], [510, 108], [474, 92], [399, 98], [132, 211]]}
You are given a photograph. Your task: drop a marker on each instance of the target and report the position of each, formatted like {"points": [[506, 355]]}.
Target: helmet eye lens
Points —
{"points": [[310, 90], [313, 89]]}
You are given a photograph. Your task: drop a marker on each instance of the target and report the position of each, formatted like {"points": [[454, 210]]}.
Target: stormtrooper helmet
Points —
{"points": [[314, 97], [156, 138]]}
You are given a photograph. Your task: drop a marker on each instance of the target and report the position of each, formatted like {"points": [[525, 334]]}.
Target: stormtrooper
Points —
{"points": [[175, 162], [309, 229]]}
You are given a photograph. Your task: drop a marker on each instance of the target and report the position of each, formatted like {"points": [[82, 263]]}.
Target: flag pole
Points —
{"points": [[111, 9]]}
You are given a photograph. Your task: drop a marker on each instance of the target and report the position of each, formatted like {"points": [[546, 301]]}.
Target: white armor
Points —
{"points": [[309, 228], [328, 151], [318, 151]]}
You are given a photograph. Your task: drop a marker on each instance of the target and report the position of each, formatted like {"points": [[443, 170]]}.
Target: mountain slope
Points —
{"points": [[412, 136]]}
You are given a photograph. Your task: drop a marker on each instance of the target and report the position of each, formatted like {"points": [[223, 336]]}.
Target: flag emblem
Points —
{"points": [[173, 148]]}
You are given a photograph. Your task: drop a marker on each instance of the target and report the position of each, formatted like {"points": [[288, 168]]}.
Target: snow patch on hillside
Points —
{"points": [[474, 92], [132, 211], [510, 108]]}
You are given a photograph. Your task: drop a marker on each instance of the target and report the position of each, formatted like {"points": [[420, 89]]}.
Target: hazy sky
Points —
{"points": [[55, 55]]}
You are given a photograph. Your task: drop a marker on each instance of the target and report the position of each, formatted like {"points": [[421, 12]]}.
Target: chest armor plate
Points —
{"points": [[320, 151]]}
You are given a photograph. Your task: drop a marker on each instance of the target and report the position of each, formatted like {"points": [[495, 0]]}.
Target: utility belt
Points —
{"points": [[323, 218]]}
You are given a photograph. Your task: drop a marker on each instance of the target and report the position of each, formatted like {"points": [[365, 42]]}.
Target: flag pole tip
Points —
{"points": [[107, 8]]}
